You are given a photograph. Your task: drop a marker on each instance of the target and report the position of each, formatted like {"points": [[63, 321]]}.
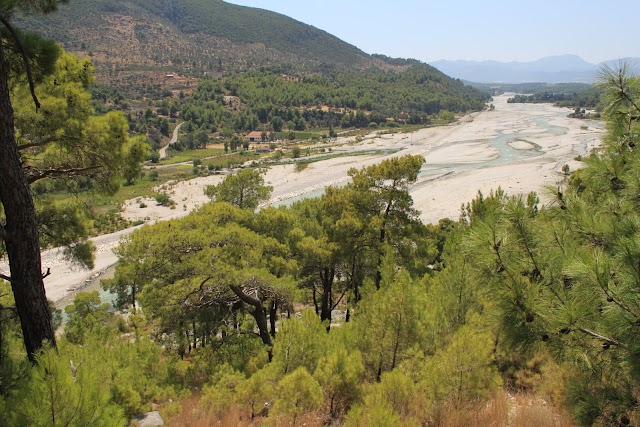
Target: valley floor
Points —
{"points": [[518, 147]]}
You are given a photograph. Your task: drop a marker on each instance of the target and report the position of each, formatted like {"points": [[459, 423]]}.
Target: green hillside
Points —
{"points": [[136, 44], [249, 25], [195, 33]]}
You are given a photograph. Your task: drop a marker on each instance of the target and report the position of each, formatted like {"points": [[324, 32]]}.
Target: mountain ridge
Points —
{"points": [[550, 69]]}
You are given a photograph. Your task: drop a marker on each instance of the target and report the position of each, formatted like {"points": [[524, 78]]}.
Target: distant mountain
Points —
{"points": [[551, 69], [634, 63]]}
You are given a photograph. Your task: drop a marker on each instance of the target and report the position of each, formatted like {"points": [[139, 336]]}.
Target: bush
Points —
{"points": [[297, 394], [218, 397], [300, 166], [164, 200]]}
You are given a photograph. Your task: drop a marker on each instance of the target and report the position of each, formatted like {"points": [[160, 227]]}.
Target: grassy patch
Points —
{"points": [[190, 155], [108, 205], [231, 160], [333, 155], [303, 135]]}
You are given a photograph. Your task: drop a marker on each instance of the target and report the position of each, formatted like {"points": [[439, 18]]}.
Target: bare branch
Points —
{"points": [[47, 274], [5, 277], [340, 299], [247, 299]]}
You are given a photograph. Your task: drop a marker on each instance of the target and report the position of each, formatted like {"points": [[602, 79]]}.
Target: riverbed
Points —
{"points": [[518, 147]]}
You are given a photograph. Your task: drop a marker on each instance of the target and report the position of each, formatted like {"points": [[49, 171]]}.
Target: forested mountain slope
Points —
{"points": [[195, 34], [155, 49]]}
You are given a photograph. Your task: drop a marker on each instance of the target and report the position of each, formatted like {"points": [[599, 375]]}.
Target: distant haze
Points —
{"points": [[474, 30], [551, 69]]}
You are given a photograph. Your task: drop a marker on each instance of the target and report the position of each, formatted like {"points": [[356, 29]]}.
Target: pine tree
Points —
{"points": [[565, 277], [19, 231]]}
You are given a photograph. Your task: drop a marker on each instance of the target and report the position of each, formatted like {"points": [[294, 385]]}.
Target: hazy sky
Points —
{"points": [[514, 30]]}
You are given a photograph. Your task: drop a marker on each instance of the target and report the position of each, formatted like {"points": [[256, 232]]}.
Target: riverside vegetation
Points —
{"points": [[341, 310]]}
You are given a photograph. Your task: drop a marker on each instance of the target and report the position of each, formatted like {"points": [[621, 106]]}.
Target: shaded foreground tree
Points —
{"points": [[59, 141], [20, 230]]}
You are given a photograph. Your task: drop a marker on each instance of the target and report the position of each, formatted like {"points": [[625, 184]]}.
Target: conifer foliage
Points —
{"points": [[48, 132], [565, 277]]}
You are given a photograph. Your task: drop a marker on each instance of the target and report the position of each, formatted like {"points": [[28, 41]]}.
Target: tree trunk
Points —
{"points": [[383, 231], [355, 282], [327, 277], [315, 300], [21, 232], [258, 313], [380, 253], [273, 317], [133, 297], [195, 334]]}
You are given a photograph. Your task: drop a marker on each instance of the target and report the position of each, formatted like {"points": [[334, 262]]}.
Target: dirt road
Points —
{"points": [[174, 139]]}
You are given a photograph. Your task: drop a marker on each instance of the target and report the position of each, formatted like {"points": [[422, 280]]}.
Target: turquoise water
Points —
{"points": [[506, 153], [105, 297], [312, 194]]}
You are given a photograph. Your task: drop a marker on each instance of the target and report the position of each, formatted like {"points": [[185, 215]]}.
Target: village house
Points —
{"points": [[254, 136]]}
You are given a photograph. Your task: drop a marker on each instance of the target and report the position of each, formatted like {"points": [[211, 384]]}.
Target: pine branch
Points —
{"points": [[36, 144], [54, 173], [25, 59], [603, 338]]}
